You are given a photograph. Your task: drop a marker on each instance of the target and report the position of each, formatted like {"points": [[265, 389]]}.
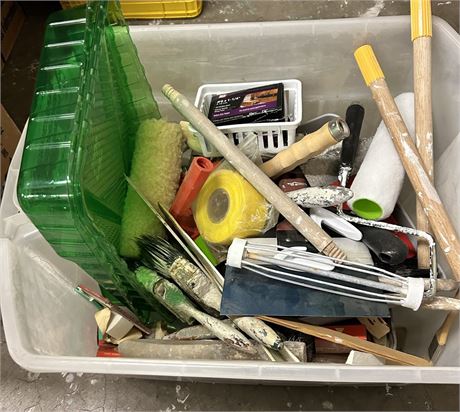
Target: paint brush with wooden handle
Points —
{"points": [[426, 193], [159, 255], [311, 145], [421, 32], [261, 182], [169, 295]]}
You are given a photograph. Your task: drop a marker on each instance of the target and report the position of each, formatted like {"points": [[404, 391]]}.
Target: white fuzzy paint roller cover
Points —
{"points": [[380, 178]]}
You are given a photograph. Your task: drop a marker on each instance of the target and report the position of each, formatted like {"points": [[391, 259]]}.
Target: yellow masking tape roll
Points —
{"points": [[228, 207]]}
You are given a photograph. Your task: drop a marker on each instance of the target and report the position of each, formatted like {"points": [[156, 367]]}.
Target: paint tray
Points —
{"points": [[91, 95]]}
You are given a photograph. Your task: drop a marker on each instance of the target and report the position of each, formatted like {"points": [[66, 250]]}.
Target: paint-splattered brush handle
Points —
{"points": [[223, 331], [196, 284], [259, 331], [165, 292]]}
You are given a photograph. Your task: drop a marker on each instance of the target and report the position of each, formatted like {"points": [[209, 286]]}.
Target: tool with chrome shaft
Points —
{"points": [[261, 182], [311, 145], [354, 119], [420, 180], [421, 32]]}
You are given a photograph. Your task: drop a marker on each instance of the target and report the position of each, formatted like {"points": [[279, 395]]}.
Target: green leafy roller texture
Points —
{"points": [[155, 170]]}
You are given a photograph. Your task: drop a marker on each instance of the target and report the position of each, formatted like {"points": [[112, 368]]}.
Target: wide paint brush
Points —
{"points": [[159, 255], [169, 295]]}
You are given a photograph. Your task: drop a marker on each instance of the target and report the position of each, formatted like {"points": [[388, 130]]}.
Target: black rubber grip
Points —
{"points": [[389, 248], [354, 119]]}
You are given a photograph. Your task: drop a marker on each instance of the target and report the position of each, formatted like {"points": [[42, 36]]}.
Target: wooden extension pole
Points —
{"points": [[261, 182], [437, 216], [421, 30]]}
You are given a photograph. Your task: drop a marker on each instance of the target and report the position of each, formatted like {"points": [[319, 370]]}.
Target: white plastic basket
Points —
{"points": [[273, 136]]}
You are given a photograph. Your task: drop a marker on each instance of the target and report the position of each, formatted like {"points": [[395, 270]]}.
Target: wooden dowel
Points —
{"points": [[426, 193], [421, 36], [261, 182], [350, 341]]}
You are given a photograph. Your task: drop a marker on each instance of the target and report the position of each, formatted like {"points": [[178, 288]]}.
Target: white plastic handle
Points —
{"points": [[327, 218]]}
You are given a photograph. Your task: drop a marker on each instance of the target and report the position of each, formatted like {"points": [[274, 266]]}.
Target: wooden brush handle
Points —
{"points": [[261, 182], [311, 145], [426, 193], [421, 36]]}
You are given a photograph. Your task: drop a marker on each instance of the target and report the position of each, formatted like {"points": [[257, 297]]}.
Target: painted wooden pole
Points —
{"points": [[442, 227], [421, 32]]}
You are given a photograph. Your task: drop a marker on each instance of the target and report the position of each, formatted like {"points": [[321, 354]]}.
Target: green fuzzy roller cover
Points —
{"points": [[155, 170]]}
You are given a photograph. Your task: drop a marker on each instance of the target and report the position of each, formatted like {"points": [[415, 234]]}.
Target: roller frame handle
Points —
{"points": [[427, 195]]}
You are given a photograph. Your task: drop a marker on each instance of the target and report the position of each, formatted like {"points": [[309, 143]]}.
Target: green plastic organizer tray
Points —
{"points": [[91, 94]]}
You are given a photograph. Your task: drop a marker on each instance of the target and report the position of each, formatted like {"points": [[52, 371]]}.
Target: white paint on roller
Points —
{"points": [[381, 175]]}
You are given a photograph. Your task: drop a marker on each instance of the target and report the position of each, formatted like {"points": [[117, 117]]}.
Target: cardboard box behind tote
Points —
{"points": [[9, 140], [12, 19]]}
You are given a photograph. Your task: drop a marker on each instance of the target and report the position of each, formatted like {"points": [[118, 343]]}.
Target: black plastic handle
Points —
{"points": [[354, 119], [389, 248]]}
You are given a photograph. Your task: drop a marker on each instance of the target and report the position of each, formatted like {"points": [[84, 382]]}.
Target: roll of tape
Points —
{"points": [[228, 207]]}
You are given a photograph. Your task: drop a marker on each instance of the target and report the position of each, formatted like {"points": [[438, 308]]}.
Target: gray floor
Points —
{"points": [[24, 391]]}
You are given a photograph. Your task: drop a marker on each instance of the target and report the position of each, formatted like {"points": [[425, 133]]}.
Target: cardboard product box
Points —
{"points": [[9, 140], [12, 20]]}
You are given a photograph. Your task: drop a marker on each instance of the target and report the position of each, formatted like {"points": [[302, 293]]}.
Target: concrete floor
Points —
{"points": [[22, 390]]}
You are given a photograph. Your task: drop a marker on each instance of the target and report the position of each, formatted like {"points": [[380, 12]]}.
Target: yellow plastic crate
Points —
{"points": [[160, 9]]}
